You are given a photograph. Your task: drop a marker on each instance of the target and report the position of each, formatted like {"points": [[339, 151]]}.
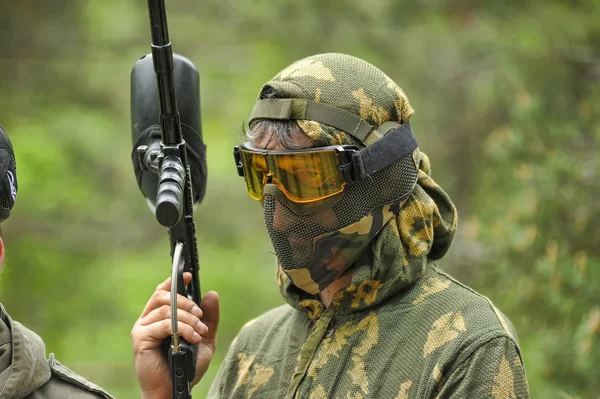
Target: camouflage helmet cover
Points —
{"points": [[345, 82]]}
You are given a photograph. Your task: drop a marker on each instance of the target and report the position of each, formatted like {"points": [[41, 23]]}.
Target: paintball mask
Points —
{"points": [[323, 205], [8, 176]]}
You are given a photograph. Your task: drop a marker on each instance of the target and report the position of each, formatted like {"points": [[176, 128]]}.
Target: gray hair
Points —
{"points": [[286, 134]]}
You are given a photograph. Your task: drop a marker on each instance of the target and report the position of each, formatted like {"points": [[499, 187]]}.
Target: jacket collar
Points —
{"points": [[27, 369]]}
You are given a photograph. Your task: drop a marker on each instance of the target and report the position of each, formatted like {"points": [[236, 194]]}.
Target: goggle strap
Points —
{"points": [[394, 145], [300, 109], [397, 144]]}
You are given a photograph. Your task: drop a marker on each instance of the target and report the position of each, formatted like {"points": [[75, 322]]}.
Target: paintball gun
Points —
{"points": [[169, 161]]}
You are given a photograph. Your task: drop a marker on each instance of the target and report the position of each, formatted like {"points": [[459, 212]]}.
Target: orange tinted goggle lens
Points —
{"points": [[301, 176]]}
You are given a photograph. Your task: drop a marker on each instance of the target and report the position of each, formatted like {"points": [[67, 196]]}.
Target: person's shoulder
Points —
{"points": [[274, 317], [454, 322], [34, 376], [268, 324], [447, 299], [65, 383]]}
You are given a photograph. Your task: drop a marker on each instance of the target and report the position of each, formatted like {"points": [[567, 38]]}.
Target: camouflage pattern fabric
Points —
{"points": [[401, 328], [336, 251], [435, 339], [345, 82]]}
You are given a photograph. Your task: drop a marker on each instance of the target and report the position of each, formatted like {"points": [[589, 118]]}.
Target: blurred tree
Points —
{"points": [[507, 101]]}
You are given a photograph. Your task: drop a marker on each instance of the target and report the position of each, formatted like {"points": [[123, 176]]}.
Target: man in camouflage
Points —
{"points": [[369, 313], [396, 326]]}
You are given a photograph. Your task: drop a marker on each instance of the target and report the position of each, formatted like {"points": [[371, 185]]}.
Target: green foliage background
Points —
{"points": [[507, 101]]}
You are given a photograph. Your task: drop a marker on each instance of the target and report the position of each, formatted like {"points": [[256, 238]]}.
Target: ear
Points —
{"points": [[1, 251]]}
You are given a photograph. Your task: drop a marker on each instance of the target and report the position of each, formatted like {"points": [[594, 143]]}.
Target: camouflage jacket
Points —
{"points": [[25, 372], [436, 338]]}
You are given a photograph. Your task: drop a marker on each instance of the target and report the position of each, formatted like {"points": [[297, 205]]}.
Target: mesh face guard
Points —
{"points": [[314, 249]]}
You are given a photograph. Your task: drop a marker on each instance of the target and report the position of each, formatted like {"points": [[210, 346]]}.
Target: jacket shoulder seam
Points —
{"points": [[70, 376], [501, 319], [455, 281], [480, 343]]}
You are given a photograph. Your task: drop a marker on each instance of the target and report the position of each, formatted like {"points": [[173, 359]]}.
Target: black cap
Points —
{"points": [[8, 176]]}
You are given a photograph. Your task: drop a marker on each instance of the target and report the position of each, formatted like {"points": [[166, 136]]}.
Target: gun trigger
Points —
{"points": [[141, 151]]}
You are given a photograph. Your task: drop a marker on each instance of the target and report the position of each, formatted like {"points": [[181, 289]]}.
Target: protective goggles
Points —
{"points": [[314, 174], [303, 176]]}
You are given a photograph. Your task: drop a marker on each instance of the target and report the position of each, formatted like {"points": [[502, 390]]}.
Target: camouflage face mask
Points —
{"points": [[317, 243], [312, 260]]}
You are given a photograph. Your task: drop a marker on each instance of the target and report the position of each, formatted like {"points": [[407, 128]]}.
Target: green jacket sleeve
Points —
{"points": [[225, 381], [217, 387], [494, 370]]}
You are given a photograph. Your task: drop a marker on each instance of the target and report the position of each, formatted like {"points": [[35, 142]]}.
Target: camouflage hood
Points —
{"points": [[407, 234]]}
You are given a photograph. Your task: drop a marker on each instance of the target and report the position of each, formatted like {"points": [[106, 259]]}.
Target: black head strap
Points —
{"points": [[395, 145]]}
